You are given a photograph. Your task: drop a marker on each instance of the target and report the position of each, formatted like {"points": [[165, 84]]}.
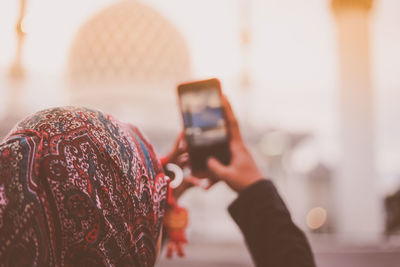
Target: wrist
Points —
{"points": [[250, 182]]}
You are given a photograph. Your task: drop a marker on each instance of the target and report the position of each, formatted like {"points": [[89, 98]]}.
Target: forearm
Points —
{"points": [[273, 239]]}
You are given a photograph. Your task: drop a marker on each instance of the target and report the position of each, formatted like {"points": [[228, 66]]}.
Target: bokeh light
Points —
{"points": [[316, 218]]}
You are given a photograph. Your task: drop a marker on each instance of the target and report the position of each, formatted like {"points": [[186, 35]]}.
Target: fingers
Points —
{"points": [[180, 250], [170, 250], [193, 181], [179, 146], [182, 141], [217, 168], [173, 248], [179, 139], [211, 183], [183, 159], [232, 121], [178, 154]]}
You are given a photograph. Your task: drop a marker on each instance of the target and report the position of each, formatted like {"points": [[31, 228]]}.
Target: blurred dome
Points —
{"points": [[128, 43]]}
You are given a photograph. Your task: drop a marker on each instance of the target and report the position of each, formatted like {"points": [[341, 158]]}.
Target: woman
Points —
{"points": [[79, 188]]}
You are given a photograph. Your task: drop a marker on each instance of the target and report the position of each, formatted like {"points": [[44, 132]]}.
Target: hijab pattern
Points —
{"points": [[79, 188]]}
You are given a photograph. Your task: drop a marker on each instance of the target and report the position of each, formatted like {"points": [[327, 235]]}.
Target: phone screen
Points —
{"points": [[203, 116], [204, 122]]}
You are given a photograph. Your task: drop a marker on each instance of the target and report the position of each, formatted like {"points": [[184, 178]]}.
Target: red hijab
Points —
{"points": [[79, 188]]}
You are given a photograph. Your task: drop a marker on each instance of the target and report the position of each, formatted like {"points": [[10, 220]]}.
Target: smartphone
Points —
{"points": [[205, 124]]}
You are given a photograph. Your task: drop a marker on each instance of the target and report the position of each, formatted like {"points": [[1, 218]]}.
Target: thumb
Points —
{"points": [[217, 168]]}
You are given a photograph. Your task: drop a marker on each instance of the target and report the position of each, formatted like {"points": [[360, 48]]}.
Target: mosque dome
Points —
{"points": [[127, 43]]}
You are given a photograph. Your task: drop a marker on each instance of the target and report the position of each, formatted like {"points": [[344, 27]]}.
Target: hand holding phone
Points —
{"points": [[222, 156], [242, 170]]}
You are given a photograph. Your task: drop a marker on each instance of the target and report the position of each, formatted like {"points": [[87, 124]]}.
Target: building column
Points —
{"points": [[358, 210]]}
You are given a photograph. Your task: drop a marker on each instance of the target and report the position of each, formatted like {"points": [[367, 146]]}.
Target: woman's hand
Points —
{"points": [[179, 156], [242, 171], [239, 174]]}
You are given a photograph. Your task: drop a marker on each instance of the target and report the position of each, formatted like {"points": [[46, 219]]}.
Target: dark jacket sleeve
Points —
{"points": [[271, 236]]}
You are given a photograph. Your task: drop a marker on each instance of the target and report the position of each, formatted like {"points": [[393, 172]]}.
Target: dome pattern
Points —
{"points": [[128, 42]]}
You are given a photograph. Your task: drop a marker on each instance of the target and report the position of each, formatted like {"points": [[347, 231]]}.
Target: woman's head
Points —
{"points": [[78, 187]]}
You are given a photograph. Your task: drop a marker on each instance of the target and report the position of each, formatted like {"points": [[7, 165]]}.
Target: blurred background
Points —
{"points": [[315, 85]]}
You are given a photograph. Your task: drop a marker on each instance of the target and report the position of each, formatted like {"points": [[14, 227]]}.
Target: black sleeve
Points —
{"points": [[271, 236]]}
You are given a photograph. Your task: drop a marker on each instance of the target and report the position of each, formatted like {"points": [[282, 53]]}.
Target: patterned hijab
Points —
{"points": [[79, 188]]}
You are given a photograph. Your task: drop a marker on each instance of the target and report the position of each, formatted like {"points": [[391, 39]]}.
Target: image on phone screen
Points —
{"points": [[203, 117]]}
